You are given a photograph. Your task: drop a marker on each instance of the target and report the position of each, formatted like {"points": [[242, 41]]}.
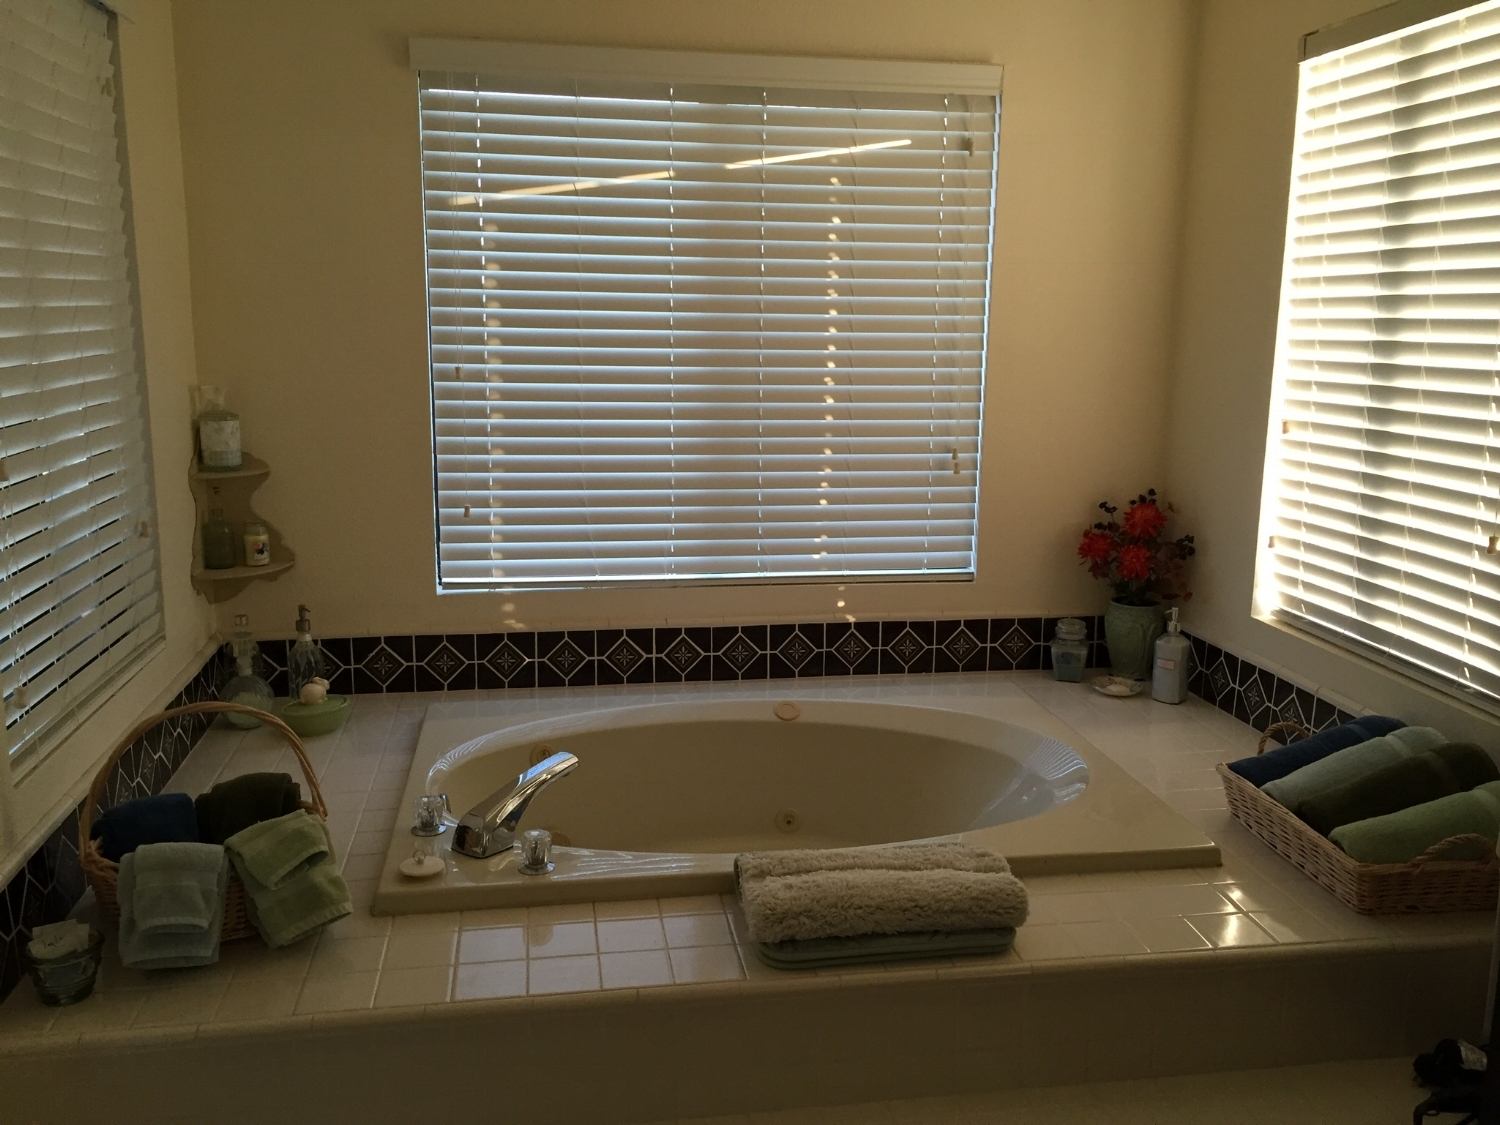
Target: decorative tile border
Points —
{"points": [[51, 882], [1254, 695], [589, 657]]}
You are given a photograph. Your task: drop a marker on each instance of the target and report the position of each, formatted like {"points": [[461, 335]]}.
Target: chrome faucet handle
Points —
{"points": [[534, 852]]}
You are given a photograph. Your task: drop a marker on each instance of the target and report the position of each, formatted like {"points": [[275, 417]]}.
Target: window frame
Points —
{"points": [[543, 63]]}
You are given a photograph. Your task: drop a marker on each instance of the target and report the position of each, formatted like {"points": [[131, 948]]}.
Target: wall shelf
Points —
{"points": [[231, 492]]}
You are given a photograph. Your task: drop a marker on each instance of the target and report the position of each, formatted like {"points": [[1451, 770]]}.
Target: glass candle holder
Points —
{"points": [[67, 979], [1070, 650]]}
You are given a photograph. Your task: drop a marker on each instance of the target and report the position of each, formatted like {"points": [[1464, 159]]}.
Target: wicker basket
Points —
{"points": [[1425, 885], [104, 875]]}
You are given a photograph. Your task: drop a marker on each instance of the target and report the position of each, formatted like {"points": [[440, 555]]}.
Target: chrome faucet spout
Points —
{"points": [[490, 826]]}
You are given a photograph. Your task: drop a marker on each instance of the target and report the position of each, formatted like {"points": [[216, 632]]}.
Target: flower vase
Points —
{"points": [[1131, 632]]}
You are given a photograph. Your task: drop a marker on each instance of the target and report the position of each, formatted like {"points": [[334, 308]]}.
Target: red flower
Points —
{"points": [[1096, 546], [1135, 562], [1144, 519]]}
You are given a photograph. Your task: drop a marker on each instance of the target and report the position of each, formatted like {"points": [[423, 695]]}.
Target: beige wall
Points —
{"points": [[149, 93], [300, 146], [1244, 105]]}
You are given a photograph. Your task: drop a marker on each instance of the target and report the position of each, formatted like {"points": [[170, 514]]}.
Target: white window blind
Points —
{"points": [[686, 332], [79, 592], [1383, 481]]}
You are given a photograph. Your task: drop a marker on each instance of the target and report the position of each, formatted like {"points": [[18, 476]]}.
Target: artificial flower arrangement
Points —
{"points": [[1133, 556]]}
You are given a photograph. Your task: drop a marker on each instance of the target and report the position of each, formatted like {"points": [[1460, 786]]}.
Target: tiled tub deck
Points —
{"points": [[660, 1010]]}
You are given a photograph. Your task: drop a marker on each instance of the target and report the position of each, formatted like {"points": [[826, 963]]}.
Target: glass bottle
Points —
{"points": [[245, 687], [305, 661], [1070, 650], [219, 547]]}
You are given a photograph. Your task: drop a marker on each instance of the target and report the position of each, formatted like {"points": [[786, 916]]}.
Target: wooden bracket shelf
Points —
{"points": [[231, 491]]}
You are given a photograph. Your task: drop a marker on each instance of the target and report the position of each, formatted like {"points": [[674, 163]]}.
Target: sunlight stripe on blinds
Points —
{"points": [[80, 595], [685, 333], [1383, 480]]}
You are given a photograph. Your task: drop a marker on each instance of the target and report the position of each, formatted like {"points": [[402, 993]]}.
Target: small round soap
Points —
{"points": [[423, 868]]}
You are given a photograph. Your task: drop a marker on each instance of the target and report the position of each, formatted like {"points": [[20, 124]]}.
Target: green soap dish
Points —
{"points": [[309, 719]]}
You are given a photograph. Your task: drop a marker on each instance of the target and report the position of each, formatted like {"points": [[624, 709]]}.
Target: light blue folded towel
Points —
{"points": [[172, 904], [1351, 764]]}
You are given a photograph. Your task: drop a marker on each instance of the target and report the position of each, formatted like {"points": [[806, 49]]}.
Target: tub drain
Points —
{"points": [[540, 753], [788, 820]]}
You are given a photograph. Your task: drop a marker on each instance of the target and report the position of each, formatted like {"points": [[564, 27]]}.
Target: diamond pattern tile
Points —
{"points": [[852, 648], [624, 657], [444, 663], [740, 651], [506, 660], [682, 654], [567, 657], [961, 645], [383, 664], [1015, 644], [907, 647], [796, 650]]}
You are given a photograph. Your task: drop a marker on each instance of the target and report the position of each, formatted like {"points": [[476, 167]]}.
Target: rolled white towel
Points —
{"points": [[846, 892]]}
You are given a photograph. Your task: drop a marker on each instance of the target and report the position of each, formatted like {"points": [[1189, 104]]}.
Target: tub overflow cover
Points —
{"points": [[786, 710]]}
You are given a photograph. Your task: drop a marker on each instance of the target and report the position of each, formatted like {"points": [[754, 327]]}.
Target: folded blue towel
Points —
{"points": [[1274, 764], [172, 904], [165, 818]]}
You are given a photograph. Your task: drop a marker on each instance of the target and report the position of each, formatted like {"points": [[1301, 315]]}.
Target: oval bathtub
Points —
{"points": [[732, 777]]}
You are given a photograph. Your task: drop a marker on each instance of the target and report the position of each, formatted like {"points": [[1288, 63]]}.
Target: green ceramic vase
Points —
{"points": [[1131, 632]]}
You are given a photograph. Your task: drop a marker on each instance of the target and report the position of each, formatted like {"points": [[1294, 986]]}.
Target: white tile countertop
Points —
{"points": [[376, 968]]}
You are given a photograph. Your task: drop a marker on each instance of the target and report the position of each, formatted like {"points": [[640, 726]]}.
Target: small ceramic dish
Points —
{"points": [[309, 719], [1118, 686]]}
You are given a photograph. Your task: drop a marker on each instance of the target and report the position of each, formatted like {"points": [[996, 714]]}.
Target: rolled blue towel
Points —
{"points": [[1402, 836], [1350, 764], [164, 819], [1274, 764]]}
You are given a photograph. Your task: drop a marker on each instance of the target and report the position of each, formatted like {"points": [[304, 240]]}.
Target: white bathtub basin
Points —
{"points": [[673, 783]]}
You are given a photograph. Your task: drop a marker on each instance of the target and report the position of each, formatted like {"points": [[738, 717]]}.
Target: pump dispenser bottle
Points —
{"points": [[305, 660], [1174, 656]]}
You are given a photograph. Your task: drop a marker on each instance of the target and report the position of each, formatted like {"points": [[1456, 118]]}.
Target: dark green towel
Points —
{"points": [[1454, 767], [823, 953], [233, 806]]}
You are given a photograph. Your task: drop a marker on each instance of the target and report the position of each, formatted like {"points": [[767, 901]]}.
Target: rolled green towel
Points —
{"points": [[234, 805], [1350, 765], [1402, 836], [1454, 767]]}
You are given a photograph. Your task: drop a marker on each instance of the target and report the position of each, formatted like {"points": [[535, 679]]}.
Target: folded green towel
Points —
{"points": [[171, 904], [1350, 765], [309, 897], [276, 849], [234, 805], [1453, 767], [1401, 836], [822, 953]]}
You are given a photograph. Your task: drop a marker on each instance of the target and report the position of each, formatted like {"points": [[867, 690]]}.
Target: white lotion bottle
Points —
{"points": [[1174, 655]]}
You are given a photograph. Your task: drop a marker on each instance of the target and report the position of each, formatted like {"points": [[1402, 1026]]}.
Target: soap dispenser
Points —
{"points": [[1174, 654], [245, 688], [305, 661]]}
